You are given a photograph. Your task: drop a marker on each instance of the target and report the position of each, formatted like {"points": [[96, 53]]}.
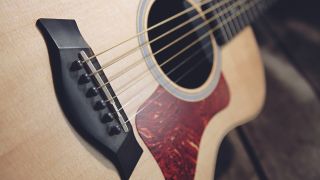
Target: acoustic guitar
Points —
{"points": [[118, 89]]}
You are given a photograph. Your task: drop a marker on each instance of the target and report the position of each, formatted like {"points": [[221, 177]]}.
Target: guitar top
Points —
{"points": [[118, 90]]}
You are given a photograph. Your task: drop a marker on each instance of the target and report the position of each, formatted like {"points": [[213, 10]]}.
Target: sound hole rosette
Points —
{"points": [[187, 94]]}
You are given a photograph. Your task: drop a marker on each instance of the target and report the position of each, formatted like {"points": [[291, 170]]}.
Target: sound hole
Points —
{"points": [[190, 67]]}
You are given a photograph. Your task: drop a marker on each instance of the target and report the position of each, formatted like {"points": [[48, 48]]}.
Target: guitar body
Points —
{"points": [[37, 141]]}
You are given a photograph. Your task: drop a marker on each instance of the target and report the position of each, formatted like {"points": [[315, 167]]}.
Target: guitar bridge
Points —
{"points": [[86, 97], [109, 98]]}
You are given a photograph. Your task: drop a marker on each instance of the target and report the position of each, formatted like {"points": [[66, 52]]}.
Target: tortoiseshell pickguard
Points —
{"points": [[172, 128]]}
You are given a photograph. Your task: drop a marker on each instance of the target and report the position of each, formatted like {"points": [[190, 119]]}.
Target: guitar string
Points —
{"points": [[149, 29], [141, 60], [226, 28], [261, 8], [223, 31], [131, 51], [137, 78], [252, 3], [195, 42], [155, 26], [162, 93], [140, 77]]}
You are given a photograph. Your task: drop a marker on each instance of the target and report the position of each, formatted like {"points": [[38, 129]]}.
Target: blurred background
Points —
{"points": [[283, 142]]}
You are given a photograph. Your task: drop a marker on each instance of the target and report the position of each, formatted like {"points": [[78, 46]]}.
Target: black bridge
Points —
{"points": [[94, 112]]}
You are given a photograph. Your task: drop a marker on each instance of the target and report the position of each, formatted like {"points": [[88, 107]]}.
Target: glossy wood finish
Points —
{"points": [[36, 141]]}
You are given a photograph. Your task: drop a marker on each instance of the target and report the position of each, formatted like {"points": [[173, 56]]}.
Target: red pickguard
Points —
{"points": [[172, 128]]}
